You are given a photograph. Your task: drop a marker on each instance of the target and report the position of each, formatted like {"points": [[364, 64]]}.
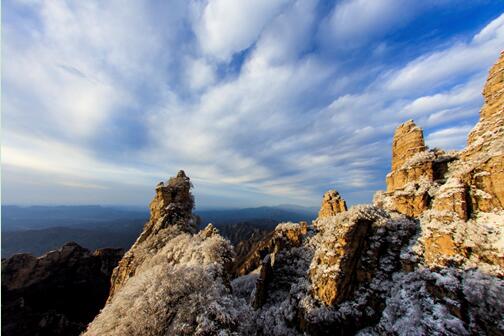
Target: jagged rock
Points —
{"points": [[452, 197], [413, 167], [367, 271], [484, 153], [340, 254], [408, 140], [332, 203], [209, 231], [171, 207], [172, 200], [57, 293], [262, 281], [411, 204], [263, 257], [449, 192], [284, 235]]}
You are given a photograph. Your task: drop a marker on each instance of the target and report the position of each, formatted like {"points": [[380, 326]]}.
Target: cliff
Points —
{"points": [[58, 293], [425, 259], [457, 196]]}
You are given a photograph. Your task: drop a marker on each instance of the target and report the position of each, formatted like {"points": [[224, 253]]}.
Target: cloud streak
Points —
{"points": [[261, 103]]}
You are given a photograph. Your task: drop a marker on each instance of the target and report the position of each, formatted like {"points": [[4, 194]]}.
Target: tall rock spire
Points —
{"points": [[408, 140], [332, 203], [171, 207]]}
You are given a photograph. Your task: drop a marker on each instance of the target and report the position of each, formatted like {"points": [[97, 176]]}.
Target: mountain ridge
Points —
{"points": [[426, 258]]}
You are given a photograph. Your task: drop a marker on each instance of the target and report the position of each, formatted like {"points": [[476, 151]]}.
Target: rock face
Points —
{"points": [[58, 293], [484, 156], [171, 207], [412, 170], [453, 193], [426, 259], [408, 140], [173, 280], [332, 204], [340, 253]]}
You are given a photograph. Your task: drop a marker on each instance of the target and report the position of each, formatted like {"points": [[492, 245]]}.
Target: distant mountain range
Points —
{"points": [[39, 229]]}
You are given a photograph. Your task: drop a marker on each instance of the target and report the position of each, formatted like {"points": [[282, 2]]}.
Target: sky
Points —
{"points": [[261, 102]]}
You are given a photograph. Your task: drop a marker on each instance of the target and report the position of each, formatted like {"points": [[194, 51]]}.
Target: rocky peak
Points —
{"points": [[332, 203], [57, 293], [457, 197], [408, 140], [427, 259], [170, 211], [172, 197], [494, 90]]}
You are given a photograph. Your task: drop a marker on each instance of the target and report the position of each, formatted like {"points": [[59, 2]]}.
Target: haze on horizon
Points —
{"points": [[261, 102]]}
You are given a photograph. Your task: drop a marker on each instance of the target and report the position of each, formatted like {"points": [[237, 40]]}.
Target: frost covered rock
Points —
{"points": [[332, 204], [334, 263], [170, 208], [408, 140], [449, 192], [349, 247], [285, 235], [452, 197], [442, 302], [175, 282]]}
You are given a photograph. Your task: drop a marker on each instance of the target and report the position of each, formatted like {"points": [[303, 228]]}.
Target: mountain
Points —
{"points": [[56, 294], [426, 258], [15, 218], [272, 213], [40, 229], [40, 241]]}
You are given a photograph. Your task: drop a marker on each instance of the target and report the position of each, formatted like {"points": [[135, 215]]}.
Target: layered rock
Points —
{"points": [[408, 140], [173, 280], [427, 259], [332, 204], [170, 209], [451, 192], [483, 167], [58, 293], [413, 169], [262, 259], [349, 247], [339, 254]]}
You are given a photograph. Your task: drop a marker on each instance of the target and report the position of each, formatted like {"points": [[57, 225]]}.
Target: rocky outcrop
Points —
{"points": [[285, 235], [426, 259], [350, 247], [174, 280], [483, 168], [170, 208], [340, 254], [408, 140], [58, 293], [450, 193], [332, 204], [413, 167]]}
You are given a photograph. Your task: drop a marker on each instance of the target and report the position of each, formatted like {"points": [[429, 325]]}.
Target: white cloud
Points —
{"points": [[284, 123], [436, 69], [226, 27], [449, 138], [200, 74], [355, 22], [64, 161], [457, 97], [288, 34]]}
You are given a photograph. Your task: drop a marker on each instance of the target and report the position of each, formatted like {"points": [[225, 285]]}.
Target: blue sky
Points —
{"points": [[261, 102]]}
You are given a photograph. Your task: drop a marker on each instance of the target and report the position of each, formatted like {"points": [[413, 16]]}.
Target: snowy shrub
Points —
{"points": [[179, 291]]}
